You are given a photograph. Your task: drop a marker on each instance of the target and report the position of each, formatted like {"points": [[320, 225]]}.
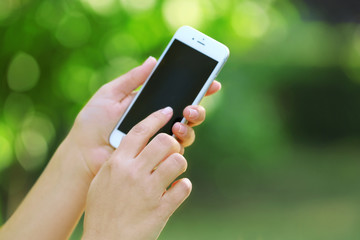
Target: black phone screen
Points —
{"points": [[176, 82]]}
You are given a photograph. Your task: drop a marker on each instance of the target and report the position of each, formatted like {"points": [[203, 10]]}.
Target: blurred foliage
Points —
{"points": [[277, 158]]}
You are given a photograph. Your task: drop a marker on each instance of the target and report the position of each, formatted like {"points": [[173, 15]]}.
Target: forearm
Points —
{"points": [[55, 203]]}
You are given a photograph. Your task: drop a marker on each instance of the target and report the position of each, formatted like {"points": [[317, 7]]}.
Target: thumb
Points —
{"points": [[125, 84]]}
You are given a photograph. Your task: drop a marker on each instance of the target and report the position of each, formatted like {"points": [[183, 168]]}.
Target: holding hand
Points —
{"points": [[97, 119], [127, 198], [57, 200]]}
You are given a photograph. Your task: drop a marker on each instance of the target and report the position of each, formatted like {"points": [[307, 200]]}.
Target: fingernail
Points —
{"points": [[167, 111], [193, 113], [180, 128]]}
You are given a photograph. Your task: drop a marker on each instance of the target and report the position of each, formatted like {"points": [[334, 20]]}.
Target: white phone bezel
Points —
{"points": [[201, 43]]}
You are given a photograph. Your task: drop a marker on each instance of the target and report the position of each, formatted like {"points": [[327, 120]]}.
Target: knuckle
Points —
{"points": [[115, 167], [131, 176], [108, 165], [168, 141], [126, 170], [180, 161], [158, 116], [114, 164], [140, 128], [163, 138]]}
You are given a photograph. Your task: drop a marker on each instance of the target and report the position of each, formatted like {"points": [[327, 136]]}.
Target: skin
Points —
{"points": [[128, 198], [55, 203], [110, 103]]}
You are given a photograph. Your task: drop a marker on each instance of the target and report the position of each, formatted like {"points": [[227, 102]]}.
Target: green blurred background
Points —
{"points": [[279, 155]]}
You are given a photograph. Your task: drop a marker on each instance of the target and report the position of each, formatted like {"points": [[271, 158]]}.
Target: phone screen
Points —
{"points": [[176, 82]]}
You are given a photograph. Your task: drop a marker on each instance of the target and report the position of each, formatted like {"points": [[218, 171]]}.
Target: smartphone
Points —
{"points": [[183, 74]]}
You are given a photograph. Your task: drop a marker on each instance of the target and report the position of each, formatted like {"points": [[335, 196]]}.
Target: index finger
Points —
{"points": [[137, 138]]}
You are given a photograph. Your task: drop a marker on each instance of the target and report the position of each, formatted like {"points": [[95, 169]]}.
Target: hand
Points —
{"points": [[97, 119], [63, 186], [127, 198]]}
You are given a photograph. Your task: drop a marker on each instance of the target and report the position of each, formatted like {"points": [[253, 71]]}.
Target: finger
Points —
{"points": [[182, 150], [194, 114], [214, 87], [124, 104], [127, 100], [125, 84], [169, 170], [184, 134], [115, 113], [177, 194], [160, 147], [137, 138]]}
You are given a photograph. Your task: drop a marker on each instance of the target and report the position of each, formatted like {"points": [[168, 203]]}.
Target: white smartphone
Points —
{"points": [[183, 74]]}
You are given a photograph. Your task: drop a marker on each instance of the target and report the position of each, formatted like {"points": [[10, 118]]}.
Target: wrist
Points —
{"points": [[68, 174], [70, 161], [90, 149]]}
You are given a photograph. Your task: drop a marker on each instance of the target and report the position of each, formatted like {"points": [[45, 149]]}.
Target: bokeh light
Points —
{"points": [[6, 151], [183, 12], [16, 107], [40, 123], [74, 30], [221, 8], [5, 8], [30, 149], [137, 5], [357, 40], [49, 14], [101, 7], [120, 44], [352, 58], [119, 65], [250, 20], [33, 139], [74, 81], [278, 28], [23, 73]]}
